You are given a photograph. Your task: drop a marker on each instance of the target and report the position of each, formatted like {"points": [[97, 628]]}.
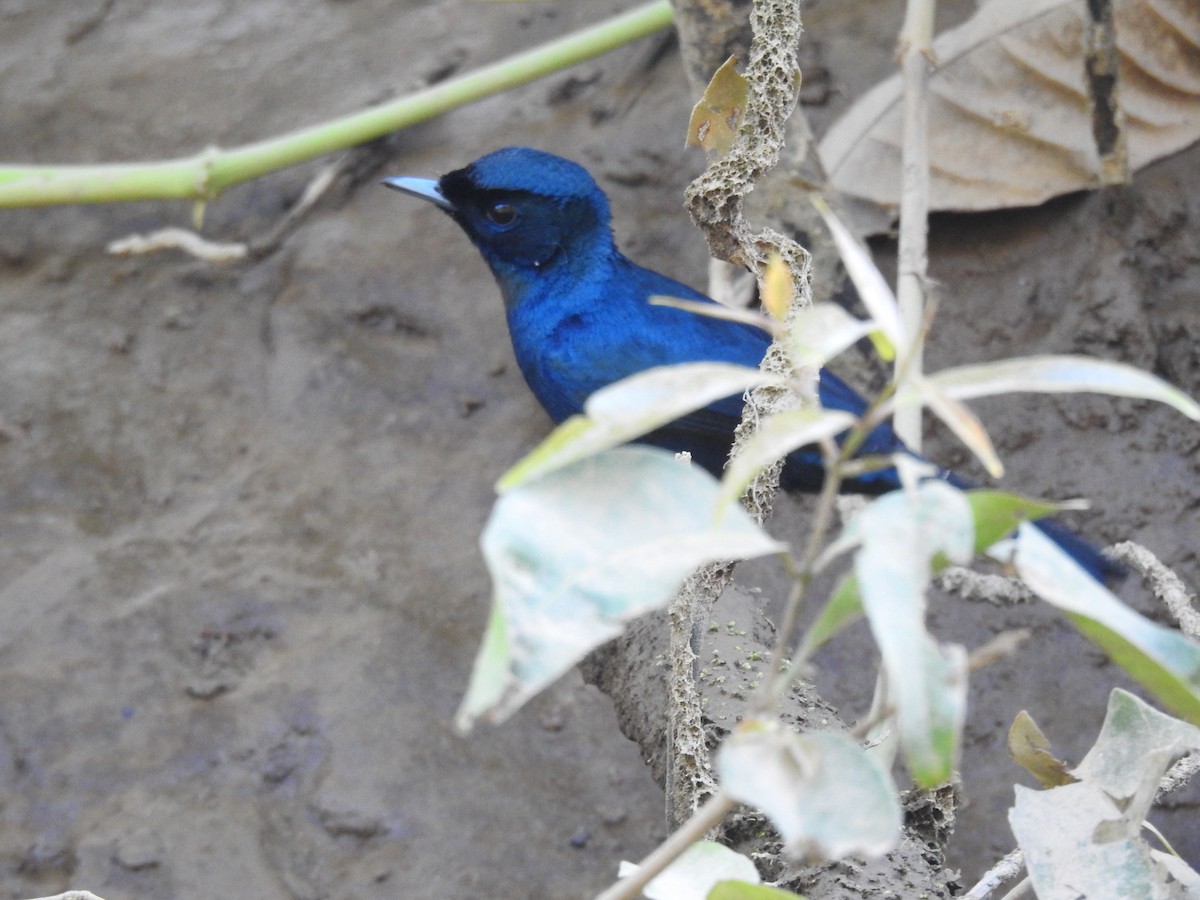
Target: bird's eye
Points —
{"points": [[502, 214]]}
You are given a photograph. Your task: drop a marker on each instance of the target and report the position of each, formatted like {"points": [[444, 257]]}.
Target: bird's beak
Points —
{"points": [[425, 188]]}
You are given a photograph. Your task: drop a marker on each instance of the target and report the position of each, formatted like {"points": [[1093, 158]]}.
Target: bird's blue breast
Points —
{"points": [[573, 337]]}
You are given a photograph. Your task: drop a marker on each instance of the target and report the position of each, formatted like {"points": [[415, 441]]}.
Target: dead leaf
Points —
{"points": [[1011, 114], [718, 115], [1031, 750]]}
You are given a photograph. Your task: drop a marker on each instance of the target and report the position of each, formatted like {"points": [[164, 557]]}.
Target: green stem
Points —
{"points": [[204, 175]]}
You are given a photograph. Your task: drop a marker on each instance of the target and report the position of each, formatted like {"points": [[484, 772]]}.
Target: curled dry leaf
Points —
{"points": [[1030, 748], [718, 115], [1011, 115]]}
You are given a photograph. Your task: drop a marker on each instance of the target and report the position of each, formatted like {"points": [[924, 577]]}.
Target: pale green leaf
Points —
{"points": [[818, 333], [490, 675], [1054, 375], [582, 550], [995, 514], [720, 311], [662, 394], [1161, 659], [631, 408], [1056, 830], [1136, 745], [964, 423], [825, 795], [872, 287], [1088, 835], [902, 534], [774, 439]]}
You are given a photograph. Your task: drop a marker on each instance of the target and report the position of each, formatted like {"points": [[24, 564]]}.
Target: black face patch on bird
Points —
{"points": [[514, 226]]}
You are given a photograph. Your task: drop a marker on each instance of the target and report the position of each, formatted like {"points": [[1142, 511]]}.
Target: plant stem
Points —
{"points": [[916, 39], [208, 173]]}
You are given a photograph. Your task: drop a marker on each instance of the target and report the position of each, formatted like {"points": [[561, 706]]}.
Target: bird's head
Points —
{"points": [[530, 213]]}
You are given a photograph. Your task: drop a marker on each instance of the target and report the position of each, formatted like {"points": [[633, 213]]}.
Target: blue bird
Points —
{"points": [[579, 318]]}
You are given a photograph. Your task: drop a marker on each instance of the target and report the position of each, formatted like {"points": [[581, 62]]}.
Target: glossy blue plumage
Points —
{"points": [[579, 318]]}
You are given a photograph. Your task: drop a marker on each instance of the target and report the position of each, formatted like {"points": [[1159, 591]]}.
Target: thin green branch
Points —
{"points": [[208, 173]]}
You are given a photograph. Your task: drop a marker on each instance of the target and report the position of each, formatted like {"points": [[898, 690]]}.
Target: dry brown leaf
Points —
{"points": [[718, 115], [1010, 115], [1030, 748]]}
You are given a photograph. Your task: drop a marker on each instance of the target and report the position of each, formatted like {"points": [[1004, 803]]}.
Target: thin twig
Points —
{"points": [[1001, 647], [1164, 583], [1006, 870], [313, 191], [708, 816], [1177, 776], [178, 239], [220, 253]]}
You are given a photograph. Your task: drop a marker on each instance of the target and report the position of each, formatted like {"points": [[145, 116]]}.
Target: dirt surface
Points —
{"points": [[239, 575]]}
